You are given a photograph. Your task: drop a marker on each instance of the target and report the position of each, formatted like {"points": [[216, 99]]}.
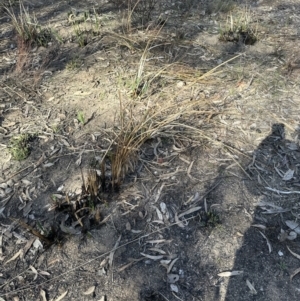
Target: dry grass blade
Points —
{"points": [[267, 240], [294, 273], [135, 129], [293, 253]]}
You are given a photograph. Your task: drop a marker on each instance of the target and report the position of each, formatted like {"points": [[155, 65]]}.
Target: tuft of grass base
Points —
{"points": [[19, 147], [28, 30], [239, 29]]}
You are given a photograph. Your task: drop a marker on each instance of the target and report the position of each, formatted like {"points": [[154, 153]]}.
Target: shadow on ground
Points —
{"points": [[263, 257]]}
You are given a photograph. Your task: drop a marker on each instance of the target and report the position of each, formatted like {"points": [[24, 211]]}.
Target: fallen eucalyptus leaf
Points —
{"points": [[178, 222], [152, 257], [189, 211], [43, 295], [19, 253], [251, 287], [171, 265], [61, 296], [288, 175], [89, 291], [293, 226], [295, 254], [230, 273], [294, 273], [268, 242], [292, 235], [174, 288]]}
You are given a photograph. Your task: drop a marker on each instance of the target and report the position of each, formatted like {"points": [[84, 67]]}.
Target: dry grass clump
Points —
{"points": [[239, 28], [28, 31], [27, 27], [140, 121]]}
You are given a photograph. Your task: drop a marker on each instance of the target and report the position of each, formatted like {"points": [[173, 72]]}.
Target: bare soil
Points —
{"points": [[191, 209]]}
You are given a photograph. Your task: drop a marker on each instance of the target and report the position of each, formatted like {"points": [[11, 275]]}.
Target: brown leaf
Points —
{"points": [[43, 295], [295, 254], [294, 273], [89, 291], [19, 253], [61, 296]]}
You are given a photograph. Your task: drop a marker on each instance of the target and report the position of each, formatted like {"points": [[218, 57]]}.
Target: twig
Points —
{"points": [[281, 191], [88, 262]]}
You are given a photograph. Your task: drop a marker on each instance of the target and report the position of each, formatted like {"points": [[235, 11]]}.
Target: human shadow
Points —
{"points": [[263, 256]]}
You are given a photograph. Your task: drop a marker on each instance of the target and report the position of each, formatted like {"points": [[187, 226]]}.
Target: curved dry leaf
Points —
{"points": [[159, 192], [78, 161], [251, 287], [44, 273], [293, 226], [282, 236], [294, 273], [128, 226], [158, 222], [35, 272], [136, 231], [43, 295], [288, 175], [26, 182], [159, 214], [61, 296], [178, 222], [263, 227], [111, 255], [152, 257], [171, 265], [157, 250], [48, 165], [295, 254], [174, 288], [230, 273], [190, 169], [19, 253], [268, 242], [189, 211], [165, 262], [163, 207], [292, 235], [89, 291], [125, 266]]}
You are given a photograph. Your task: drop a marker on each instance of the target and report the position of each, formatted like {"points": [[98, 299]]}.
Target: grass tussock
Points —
{"points": [[19, 146], [27, 28], [29, 33], [239, 29], [141, 119]]}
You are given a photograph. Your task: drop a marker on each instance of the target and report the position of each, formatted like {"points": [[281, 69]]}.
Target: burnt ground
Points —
{"points": [[214, 192]]}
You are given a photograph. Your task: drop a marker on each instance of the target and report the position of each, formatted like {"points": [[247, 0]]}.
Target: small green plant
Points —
{"points": [[210, 219], [282, 266], [19, 147], [80, 117], [81, 36], [73, 64], [239, 29], [86, 26]]}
